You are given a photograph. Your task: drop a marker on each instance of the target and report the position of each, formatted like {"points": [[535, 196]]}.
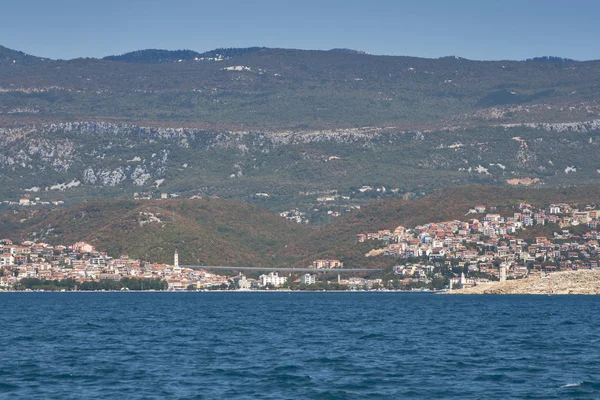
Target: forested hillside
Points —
{"points": [[208, 232], [284, 88], [225, 232]]}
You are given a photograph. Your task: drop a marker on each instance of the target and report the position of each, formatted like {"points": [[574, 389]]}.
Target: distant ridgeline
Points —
{"points": [[152, 56], [259, 87], [550, 59]]}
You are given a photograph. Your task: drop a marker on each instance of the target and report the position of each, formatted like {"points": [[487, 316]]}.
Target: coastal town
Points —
{"points": [[491, 246], [30, 266]]}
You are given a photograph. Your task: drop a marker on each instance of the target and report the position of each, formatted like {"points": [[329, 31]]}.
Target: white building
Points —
{"points": [[272, 278], [327, 264], [308, 279], [7, 260]]}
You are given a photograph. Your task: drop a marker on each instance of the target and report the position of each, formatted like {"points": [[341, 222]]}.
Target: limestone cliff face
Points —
{"points": [[133, 157], [567, 282]]}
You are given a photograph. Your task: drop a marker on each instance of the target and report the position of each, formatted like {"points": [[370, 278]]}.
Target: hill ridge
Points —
{"points": [[229, 232], [234, 51]]}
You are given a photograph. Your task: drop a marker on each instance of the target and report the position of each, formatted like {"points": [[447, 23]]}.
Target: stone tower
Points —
{"points": [[176, 259], [503, 272]]}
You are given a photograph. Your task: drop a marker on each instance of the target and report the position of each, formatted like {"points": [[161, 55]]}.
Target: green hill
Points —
{"points": [[208, 232], [286, 88], [154, 56], [227, 232]]}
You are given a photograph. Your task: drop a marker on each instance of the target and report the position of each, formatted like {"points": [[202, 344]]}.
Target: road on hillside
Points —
{"points": [[283, 269]]}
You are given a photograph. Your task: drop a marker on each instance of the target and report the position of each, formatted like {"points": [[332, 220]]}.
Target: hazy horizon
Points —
{"points": [[300, 49], [495, 30]]}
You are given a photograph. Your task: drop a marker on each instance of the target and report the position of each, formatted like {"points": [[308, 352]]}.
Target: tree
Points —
{"points": [[439, 282]]}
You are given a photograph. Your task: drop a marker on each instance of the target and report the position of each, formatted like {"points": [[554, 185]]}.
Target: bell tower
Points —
{"points": [[176, 259]]}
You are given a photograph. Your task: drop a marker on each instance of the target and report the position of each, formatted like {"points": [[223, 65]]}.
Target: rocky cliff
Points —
{"points": [[567, 282]]}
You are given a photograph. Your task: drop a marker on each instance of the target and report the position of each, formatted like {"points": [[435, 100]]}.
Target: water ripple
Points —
{"points": [[297, 346]]}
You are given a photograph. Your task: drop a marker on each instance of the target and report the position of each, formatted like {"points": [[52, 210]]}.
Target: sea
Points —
{"points": [[281, 345]]}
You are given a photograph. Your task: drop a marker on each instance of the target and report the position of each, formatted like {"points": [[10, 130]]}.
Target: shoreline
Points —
{"points": [[580, 282], [223, 291]]}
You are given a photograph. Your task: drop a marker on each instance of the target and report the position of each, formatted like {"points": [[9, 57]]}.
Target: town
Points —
{"points": [[41, 266], [490, 246]]}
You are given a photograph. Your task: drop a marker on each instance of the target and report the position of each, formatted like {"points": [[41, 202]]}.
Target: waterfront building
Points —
{"points": [[272, 278], [241, 282], [308, 279]]}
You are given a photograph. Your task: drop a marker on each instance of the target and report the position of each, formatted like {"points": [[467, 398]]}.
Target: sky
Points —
{"points": [[474, 29]]}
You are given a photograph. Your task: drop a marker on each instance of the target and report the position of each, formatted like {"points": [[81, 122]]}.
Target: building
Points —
{"points": [[83, 247], [327, 264], [308, 279], [503, 269], [7, 260], [242, 283], [272, 278]]}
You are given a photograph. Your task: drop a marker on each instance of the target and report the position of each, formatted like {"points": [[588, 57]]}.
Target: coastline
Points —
{"points": [[581, 282], [225, 291]]}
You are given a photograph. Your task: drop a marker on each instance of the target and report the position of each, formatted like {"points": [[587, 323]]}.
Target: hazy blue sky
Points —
{"points": [[475, 29]]}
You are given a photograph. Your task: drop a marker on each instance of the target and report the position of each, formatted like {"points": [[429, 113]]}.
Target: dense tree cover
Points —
{"points": [[152, 56], [291, 88], [71, 284], [204, 231], [229, 52], [551, 59]]}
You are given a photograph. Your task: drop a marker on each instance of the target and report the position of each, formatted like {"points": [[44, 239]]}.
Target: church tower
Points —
{"points": [[462, 281], [176, 259]]}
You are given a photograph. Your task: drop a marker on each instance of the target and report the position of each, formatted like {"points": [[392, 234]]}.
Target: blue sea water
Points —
{"points": [[298, 346]]}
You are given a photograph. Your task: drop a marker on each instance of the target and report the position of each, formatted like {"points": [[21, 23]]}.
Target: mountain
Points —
{"points": [[323, 170], [230, 52], [154, 56], [12, 57], [291, 129], [551, 59], [348, 51], [262, 88]]}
